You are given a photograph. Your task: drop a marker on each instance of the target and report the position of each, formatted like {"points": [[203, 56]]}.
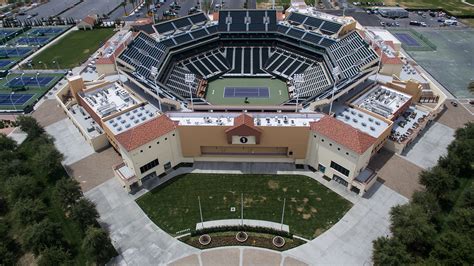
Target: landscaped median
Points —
{"points": [[310, 208]]}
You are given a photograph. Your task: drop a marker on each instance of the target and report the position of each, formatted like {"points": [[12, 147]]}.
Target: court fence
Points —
{"points": [[425, 45]]}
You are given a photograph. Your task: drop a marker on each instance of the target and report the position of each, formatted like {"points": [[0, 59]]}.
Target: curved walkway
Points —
{"points": [[140, 242]]}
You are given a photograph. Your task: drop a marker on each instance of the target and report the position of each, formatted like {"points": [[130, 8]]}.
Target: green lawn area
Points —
{"points": [[73, 49], [311, 208], [6, 103], [278, 91]]}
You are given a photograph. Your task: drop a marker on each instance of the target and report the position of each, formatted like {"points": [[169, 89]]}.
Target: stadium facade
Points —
{"points": [[171, 67]]}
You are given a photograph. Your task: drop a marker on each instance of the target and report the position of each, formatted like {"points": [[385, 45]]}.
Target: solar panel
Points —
{"points": [[296, 33], [183, 38], [164, 27], [198, 18]]}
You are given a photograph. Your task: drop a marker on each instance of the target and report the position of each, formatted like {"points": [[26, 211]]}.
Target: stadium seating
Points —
{"points": [[312, 23], [247, 60], [285, 64], [143, 54], [207, 65], [181, 24], [352, 54], [247, 20], [177, 83], [316, 80]]}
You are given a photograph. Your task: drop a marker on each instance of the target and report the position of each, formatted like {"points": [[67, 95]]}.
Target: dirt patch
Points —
{"points": [[273, 185], [293, 200], [285, 189], [318, 232], [305, 200], [318, 199], [306, 216], [86, 51], [300, 209], [313, 210]]}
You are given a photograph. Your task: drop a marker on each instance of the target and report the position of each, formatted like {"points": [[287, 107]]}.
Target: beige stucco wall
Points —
{"points": [[166, 149], [194, 137]]}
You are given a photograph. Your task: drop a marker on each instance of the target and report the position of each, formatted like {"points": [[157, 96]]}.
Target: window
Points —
{"points": [[167, 166], [339, 168], [149, 147], [157, 142], [166, 138], [321, 168], [149, 166], [338, 149], [330, 144], [347, 153], [173, 134], [322, 140]]}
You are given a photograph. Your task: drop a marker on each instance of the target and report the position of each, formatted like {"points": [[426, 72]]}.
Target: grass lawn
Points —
{"points": [[73, 49], [277, 88], [311, 208]]}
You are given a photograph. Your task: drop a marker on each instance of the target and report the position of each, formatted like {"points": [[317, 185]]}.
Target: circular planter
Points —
{"points": [[205, 240], [278, 241], [241, 236]]}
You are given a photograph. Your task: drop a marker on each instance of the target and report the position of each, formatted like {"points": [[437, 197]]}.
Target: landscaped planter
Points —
{"points": [[241, 236], [205, 240], [278, 241]]}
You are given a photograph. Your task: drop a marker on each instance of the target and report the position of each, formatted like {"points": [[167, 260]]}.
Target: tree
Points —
{"points": [[390, 251], [84, 213], [28, 211], [67, 191], [21, 187], [97, 245], [46, 160], [8, 247], [30, 126], [6, 143], [453, 249], [54, 256], [438, 181], [42, 235], [428, 202], [411, 225]]}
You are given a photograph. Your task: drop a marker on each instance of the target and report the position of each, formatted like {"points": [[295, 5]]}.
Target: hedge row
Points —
{"points": [[246, 228]]}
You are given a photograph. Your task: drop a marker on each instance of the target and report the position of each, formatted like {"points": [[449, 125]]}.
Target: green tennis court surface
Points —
{"points": [[277, 91]]}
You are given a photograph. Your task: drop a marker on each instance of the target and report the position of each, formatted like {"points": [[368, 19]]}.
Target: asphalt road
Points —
{"points": [[92, 7], [51, 8]]}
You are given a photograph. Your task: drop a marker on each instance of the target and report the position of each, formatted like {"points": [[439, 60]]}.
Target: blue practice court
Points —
{"points": [[14, 99], [5, 63], [46, 31], [14, 52], [32, 40], [29, 81], [407, 39], [242, 92]]}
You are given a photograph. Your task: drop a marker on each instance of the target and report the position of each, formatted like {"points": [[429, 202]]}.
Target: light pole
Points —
{"points": [[297, 80], [57, 63], [37, 73], [11, 100], [44, 64], [335, 73], [6, 77], [21, 77], [189, 79]]}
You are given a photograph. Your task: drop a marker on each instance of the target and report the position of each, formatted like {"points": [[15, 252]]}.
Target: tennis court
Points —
{"points": [[32, 40], [239, 92], [46, 31], [5, 63], [14, 52], [29, 82], [14, 99], [406, 38], [243, 91]]}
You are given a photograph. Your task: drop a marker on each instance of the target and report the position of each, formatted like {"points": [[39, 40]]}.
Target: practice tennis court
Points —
{"points": [[32, 40], [242, 92], [14, 52], [46, 31], [29, 81], [407, 39], [14, 99], [5, 63]]}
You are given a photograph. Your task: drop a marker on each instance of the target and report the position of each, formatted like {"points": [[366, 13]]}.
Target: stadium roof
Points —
{"points": [[146, 132], [343, 134]]}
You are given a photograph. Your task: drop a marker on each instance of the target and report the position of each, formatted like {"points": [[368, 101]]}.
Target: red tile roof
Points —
{"points": [[243, 119], [146, 132], [343, 134]]}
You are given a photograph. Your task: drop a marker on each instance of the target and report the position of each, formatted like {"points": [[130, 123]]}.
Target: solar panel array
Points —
{"points": [[247, 20], [306, 36], [352, 53], [189, 36]]}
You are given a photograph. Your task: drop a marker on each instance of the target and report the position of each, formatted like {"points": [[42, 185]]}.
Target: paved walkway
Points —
{"points": [[140, 242]]}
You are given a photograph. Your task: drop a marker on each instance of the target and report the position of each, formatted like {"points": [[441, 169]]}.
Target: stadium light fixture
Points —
{"points": [[335, 73], [11, 100], [22, 81], [297, 80], [189, 79], [37, 73]]}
